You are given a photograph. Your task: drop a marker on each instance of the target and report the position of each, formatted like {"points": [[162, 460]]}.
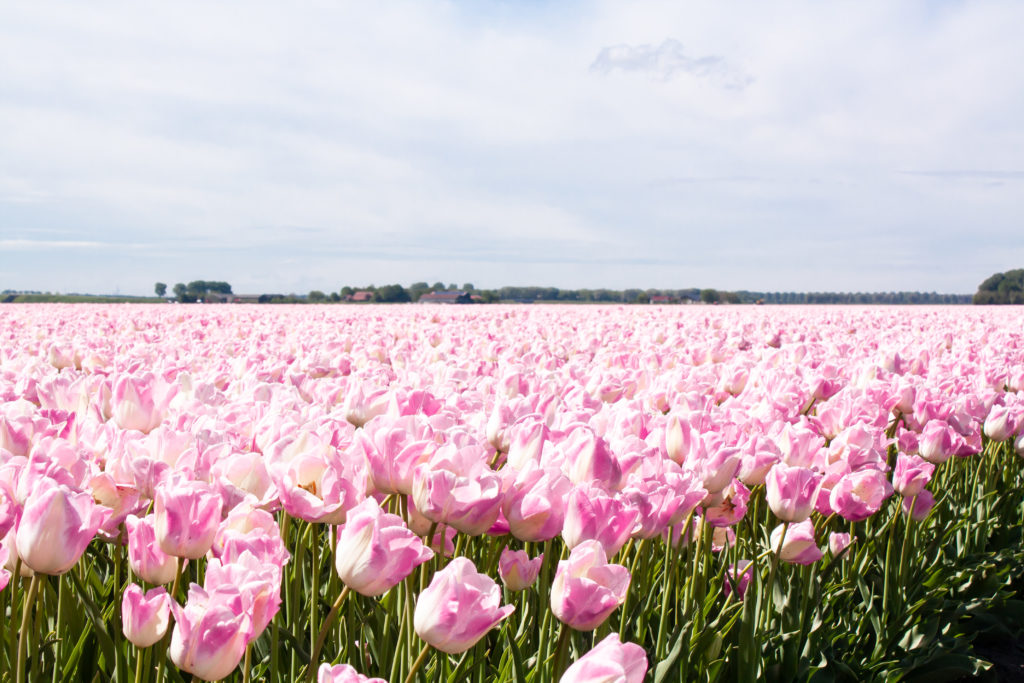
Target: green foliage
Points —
{"points": [[316, 296], [1002, 288], [709, 296], [160, 288], [389, 294]]}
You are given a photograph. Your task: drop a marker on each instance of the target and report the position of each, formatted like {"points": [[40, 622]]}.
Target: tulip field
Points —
{"points": [[508, 493]]}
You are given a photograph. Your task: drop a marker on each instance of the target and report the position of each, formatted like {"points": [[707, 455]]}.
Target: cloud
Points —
{"points": [[668, 61]]}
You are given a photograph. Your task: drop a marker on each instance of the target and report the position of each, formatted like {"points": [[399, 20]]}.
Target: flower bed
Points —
{"points": [[507, 493]]}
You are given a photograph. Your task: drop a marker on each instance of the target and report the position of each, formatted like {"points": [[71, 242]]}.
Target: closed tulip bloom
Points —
{"points": [[145, 558], [610, 661], [911, 474], [799, 545], [919, 505], [937, 442], [458, 607], [145, 616], [139, 402], [343, 673], [534, 504], [838, 543], [56, 525], [210, 632], [517, 570], [1001, 423], [258, 583], [858, 495], [187, 516], [587, 589], [791, 492], [376, 550]]}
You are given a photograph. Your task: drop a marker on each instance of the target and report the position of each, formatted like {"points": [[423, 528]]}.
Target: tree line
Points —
{"points": [[396, 293]]}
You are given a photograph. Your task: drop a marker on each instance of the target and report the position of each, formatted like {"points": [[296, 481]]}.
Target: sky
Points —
{"points": [[285, 147]]}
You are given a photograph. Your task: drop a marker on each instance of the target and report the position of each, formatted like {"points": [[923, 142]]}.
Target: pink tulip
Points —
{"points": [[911, 474], [610, 661], [593, 514], [469, 501], [343, 673], [587, 589], [187, 516], [588, 459], [517, 570], [791, 492], [919, 505], [799, 545], [139, 402], [730, 507], [937, 442], [259, 585], [858, 495], [738, 578], [458, 607], [144, 555], [56, 525], [392, 453], [5, 574], [838, 543], [210, 632], [1001, 423], [534, 504], [376, 550], [145, 617]]}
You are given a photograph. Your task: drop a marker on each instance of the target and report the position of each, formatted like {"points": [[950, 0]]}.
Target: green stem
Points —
{"points": [[418, 663], [561, 653], [26, 611], [328, 622]]}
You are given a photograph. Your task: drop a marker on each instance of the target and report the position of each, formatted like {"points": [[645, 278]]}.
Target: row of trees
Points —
{"points": [[1008, 286]]}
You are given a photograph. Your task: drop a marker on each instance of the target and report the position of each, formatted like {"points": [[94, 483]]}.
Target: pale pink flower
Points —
{"points": [[610, 661], [799, 545], [858, 495], [210, 632], [517, 570], [145, 617], [375, 550], [55, 526], [458, 607], [791, 492], [343, 673], [587, 589], [593, 514], [187, 516]]}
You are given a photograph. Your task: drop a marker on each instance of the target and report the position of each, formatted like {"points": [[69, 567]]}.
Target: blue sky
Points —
{"points": [[808, 146]]}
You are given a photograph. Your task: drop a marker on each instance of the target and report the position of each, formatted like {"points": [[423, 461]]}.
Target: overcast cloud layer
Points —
{"points": [[283, 147]]}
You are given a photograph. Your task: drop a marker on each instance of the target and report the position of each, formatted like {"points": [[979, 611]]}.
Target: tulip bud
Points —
{"points": [[517, 570], [145, 617]]}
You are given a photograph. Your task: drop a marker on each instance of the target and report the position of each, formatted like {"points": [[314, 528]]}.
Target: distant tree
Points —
{"points": [[160, 288], [468, 287], [709, 296], [181, 293], [391, 294], [335, 297], [346, 291], [643, 298], [316, 296], [437, 286], [1002, 288]]}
